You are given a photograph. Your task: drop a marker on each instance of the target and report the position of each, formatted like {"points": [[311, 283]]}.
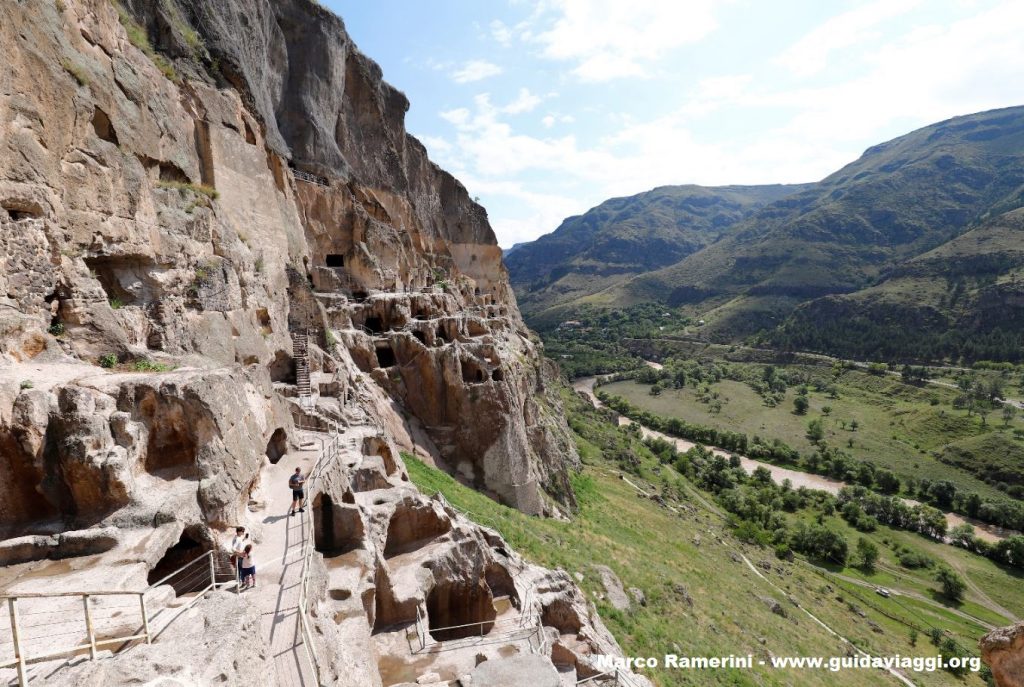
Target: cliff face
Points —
{"points": [[246, 175]]}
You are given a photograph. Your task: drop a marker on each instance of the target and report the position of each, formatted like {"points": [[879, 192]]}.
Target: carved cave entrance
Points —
{"points": [[188, 548], [277, 447]]}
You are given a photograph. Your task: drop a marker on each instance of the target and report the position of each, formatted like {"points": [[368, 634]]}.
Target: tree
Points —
{"points": [[867, 555], [815, 430], [1009, 412], [826, 410], [854, 425], [953, 586], [800, 405]]}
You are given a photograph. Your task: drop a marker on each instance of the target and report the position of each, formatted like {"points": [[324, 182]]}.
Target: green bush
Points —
{"points": [[26, 384], [108, 361], [57, 329]]}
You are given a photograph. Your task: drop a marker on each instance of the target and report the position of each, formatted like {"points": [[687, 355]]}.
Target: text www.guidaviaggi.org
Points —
{"points": [[835, 664]]}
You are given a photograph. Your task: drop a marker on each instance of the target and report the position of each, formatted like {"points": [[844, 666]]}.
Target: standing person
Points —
{"points": [[238, 543], [297, 483], [248, 568]]}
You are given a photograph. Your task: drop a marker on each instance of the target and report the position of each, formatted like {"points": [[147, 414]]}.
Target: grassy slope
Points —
{"points": [[899, 428], [653, 549]]}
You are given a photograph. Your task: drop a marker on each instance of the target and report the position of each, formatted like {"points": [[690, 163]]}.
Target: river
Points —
{"points": [[984, 531]]}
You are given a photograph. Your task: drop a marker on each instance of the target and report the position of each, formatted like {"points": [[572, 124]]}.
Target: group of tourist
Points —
{"points": [[241, 545]]}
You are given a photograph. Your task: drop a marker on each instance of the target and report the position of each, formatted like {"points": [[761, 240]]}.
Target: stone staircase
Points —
{"points": [[300, 351]]}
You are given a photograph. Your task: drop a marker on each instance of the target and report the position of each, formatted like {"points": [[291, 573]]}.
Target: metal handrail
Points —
{"points": [[21, 659], [326, 458], [621, 678]]}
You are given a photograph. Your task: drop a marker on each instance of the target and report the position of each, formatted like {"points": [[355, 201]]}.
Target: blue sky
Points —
{"points": [[545, 108]]}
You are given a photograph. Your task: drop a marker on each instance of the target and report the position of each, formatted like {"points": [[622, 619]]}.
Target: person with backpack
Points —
{"points": [[297, 483]]}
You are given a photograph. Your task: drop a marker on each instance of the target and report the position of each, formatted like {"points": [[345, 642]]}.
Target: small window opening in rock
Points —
{"points": [[18, 210], [498, 375], [420, 336], [277, 447], [386, 356], [440, 336], [172, 173], [374, 324], [103, 127], [185, 551], [250, 137], [335, 260], [471, 373], [360, 295], [476, 291]]}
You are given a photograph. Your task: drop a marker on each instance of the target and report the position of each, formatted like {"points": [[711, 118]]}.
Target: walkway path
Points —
{"points": [[279, 571]]}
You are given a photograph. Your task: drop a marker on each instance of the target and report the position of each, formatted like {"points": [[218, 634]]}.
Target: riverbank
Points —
{"points": [[797, 478]]}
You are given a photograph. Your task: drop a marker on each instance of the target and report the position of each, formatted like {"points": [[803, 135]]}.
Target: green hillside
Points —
{"points": [[623, 237], [912, 252], [962, 300]]}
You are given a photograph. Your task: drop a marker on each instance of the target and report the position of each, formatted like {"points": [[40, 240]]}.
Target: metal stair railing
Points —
{"points": [[328, 454], [103, 621]]}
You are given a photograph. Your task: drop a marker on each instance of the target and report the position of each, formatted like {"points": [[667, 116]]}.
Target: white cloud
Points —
{"points": [[538, 213], [501, 33], [609, 39], [762, 130], [524, 102], [810, 54], [475, 70]]}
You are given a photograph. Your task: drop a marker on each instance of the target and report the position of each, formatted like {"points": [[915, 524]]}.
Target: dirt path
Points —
{"points": [[915, 595]]}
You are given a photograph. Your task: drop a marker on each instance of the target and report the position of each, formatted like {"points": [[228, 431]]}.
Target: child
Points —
{"points": [[248, 568]]}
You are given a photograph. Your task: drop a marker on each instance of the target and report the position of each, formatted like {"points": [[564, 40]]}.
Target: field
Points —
{"points": [[899, 426], [702, 599]]}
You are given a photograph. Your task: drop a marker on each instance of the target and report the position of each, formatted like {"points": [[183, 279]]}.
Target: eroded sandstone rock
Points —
{"points": [[1003, 652]]}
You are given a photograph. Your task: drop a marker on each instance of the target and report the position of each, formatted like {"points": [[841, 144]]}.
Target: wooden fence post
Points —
{"points": [[19, 656], [89, 628], [145, 618]]}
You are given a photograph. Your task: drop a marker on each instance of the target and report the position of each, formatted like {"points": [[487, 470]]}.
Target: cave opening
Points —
{"points": [[188, 549], [472, 373], [336, 529], [277, 447], [460, 602], [103, 127], [171, 450], [374, 324], [335, 260], [440, 335], [386, 356], [250, 137], [498, 374], [420, 336], [412, 526], [360, 295]]}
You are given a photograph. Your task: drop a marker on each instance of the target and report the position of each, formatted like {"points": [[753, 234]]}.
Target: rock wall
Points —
{"points": [[189, 190], [156, 199], [1003, 652]]}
